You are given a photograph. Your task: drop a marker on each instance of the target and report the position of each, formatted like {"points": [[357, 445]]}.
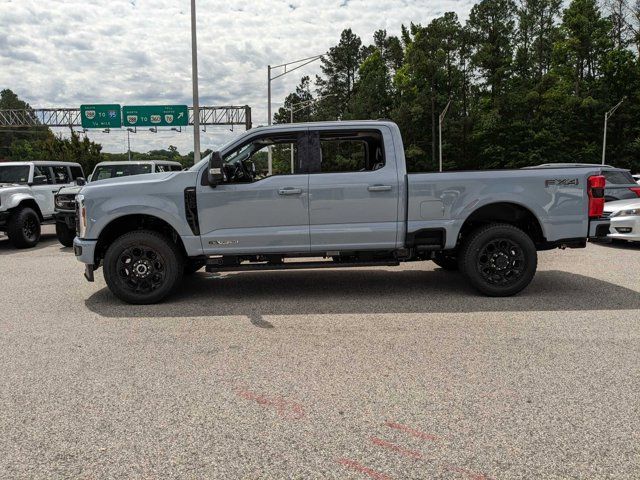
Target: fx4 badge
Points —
{"points": [[560, 182], [223, 242]]}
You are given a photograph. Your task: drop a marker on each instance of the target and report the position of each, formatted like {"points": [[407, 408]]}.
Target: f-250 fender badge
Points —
{"points": [[223, 242], [560, 182]]}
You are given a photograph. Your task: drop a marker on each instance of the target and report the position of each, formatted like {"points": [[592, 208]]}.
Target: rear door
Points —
{"points": [[263, 214], [353, 190]]}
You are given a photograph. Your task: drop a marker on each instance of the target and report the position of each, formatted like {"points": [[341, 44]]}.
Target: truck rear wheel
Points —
{"points": [[23, 229], [65, 234], [142, 267], [499, 259]]}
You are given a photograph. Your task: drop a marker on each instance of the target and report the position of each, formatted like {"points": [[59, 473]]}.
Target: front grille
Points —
{"points": [[605, 215]]}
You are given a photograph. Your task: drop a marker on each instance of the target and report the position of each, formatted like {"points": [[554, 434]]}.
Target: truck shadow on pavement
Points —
{"points": [[256, 294], [46, 240]]}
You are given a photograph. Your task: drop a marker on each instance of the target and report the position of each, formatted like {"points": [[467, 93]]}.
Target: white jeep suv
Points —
{"points": [[27, 191]]}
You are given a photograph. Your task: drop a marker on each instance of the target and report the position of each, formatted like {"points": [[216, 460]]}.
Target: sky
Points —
{"points": [[58, 53]]}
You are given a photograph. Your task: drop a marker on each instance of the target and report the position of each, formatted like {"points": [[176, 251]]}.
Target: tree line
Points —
{"points": [[528, 82]]}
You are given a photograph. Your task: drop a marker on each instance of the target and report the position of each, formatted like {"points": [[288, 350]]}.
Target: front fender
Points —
{"points": [[12, 201], [102, 213]]}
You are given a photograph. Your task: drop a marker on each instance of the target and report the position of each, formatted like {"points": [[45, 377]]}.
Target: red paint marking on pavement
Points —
{"points": [[396, 448], [285, 408], [362, 469], [468, 473], [412, 431]]}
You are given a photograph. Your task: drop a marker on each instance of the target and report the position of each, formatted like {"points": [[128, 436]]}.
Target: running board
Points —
{"points": [[216, 267]]}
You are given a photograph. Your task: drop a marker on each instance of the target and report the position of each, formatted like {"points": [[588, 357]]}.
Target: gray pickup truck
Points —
{"points": [[331, 194]]}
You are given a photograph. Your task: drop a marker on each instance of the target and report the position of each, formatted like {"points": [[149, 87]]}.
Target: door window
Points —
{"points": [[250, 161], [76, 172], [61, 174], [350, 151], [41, 170]]}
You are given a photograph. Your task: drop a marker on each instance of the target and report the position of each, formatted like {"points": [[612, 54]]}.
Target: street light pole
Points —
{"points": [[194, 79], [607, 115], [440, 120]]}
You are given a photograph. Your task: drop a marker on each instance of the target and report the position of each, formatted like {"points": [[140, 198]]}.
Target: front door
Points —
{"points": [[354, 193], [44, 193], [252, 211]]}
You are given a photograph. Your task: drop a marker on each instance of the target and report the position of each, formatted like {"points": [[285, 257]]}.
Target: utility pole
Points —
{"points": [[607, 116], [194, 75], [440, 120]]}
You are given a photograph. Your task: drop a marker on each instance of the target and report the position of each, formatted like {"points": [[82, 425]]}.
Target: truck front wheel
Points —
{"points": [[23, 229], [65, 234], [142, 267], [499, 259]]}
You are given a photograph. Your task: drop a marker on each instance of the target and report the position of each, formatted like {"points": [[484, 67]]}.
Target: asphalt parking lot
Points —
{"points": [[365, 373]]}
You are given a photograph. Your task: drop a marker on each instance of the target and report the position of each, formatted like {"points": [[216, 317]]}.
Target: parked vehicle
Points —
{"points": [[625, 219], [636, 178], [26, 196], [65, 203], [346, 199]]}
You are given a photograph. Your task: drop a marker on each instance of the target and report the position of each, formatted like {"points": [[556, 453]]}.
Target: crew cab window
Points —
{"points": [[46, 171], [111, 171], [250, 161], [61, 174], [351, 151], [76, 172]]}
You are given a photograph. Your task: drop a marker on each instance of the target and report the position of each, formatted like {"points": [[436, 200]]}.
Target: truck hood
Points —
{"points": [[14, 187], [622, 205], [144, 178], [69, 190]]}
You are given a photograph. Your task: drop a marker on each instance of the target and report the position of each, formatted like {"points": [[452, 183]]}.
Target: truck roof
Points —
{"points": [[42, 162], [334, 123]]}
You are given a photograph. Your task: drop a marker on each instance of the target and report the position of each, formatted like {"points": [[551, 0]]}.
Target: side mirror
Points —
{"points": [[40, 180], [215, 169], [80, 181]]}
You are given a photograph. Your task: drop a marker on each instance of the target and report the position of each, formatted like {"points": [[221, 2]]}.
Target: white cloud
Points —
{"points": [[62, 53]]}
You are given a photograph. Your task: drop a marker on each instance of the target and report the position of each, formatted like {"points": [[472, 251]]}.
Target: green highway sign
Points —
{"points": [[100, 116], [155, 116]]}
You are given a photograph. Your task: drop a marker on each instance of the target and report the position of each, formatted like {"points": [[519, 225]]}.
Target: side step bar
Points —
{"points": [[217, 267]]}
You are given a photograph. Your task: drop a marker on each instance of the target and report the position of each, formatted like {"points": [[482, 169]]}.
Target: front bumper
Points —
{"points": [[67, 217], [625, 228], [599, 228], [84, 251]]}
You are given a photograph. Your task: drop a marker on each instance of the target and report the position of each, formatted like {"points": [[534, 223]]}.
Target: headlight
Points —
{"points": [[626, 213], [65, 202], [81, 216]]}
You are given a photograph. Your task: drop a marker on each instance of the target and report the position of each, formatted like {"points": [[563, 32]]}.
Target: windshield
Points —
{"points": [[113, 171], [14, 174]]}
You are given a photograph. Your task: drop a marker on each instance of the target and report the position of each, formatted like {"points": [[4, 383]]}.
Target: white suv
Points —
{"points": [[27, 192]]}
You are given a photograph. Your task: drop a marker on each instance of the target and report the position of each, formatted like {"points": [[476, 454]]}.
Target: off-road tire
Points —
{"points": [[445, 261], [142, 267], [23, 229], [65, 234], [498, 259]]}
